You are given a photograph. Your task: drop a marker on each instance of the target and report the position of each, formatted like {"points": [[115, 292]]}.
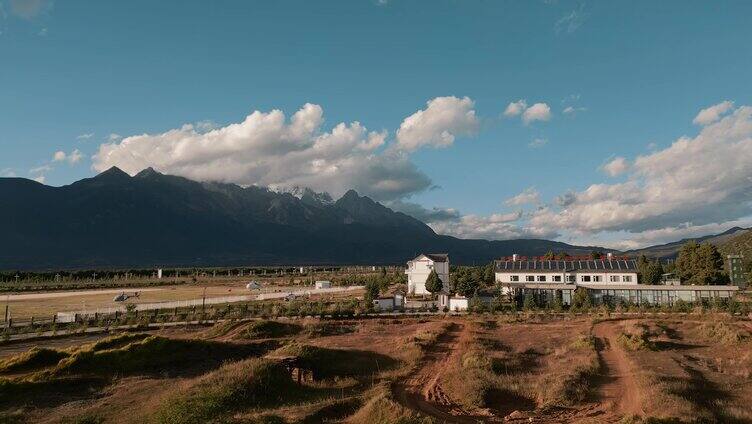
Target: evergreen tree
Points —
{"points": [[372, 292], [700, 264], [433, 283], [581, 299], [652, 273], [529, 303]]}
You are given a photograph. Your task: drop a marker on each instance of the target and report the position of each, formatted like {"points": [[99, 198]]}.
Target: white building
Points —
{"points": [[323, 284], [390, 303], [608, 279], [419, 268]]}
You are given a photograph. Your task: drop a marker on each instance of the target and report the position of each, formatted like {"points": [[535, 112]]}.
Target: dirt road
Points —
{"points": [[618, 391], [422, 391]]}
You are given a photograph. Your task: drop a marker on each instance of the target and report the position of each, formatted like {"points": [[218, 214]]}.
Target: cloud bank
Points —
{"points": [[267, 149]]}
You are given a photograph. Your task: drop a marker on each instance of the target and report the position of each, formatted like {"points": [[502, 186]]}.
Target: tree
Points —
{"points": [[596, 254], [557, 304], [433, 283], [549, 256], [488, 273], [562, 256], [466, 285], [581, 299], [383, 272], [528, 304], [372, 292], [700, 264], [652, 273]]}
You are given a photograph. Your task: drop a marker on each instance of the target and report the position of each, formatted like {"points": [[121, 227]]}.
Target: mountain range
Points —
{"points": [[152, 219]]}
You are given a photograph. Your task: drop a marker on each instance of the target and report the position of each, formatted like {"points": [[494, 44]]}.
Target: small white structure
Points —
{"points": [[390, 303], [457, 303], [253, 285], [419, 268], [159, 274], [323, 284]]}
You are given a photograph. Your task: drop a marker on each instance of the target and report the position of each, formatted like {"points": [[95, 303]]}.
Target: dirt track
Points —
{"points": [[423, 393], [619, 392]]}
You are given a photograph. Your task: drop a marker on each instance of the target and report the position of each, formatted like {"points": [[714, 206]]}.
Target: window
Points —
{"points": [[529, 278], [614, 278], [514, 278], [585, 278], [571, 278], [597, 278], [557, 278], [627, 278], [542, 278]]}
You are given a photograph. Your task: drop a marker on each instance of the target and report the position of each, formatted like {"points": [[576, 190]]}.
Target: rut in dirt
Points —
{"points": [[618, 390], [422, 392]]}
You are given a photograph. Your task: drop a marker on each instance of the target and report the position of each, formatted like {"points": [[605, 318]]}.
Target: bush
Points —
{"points": [[249, 383], [271, 329], [34, 358]]}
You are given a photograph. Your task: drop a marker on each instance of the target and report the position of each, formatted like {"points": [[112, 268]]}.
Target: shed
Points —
{"points": [[323, 284]]}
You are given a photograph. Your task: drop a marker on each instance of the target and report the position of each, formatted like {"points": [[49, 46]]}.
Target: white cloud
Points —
{"points": [[713, 113], [443, 119], [702, 180], [536, 112], [85, 136], [529, 196], [493, 227], [114, 137], [515, 108], [616, 166], [571, 21], [422, 213], [537, 142], [267, 149], [72, 158], [40, 169], [40, 179], [571, 110], [7, 173]]}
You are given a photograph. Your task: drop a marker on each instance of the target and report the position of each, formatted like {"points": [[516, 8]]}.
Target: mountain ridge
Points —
{"points": [[152, 219]]}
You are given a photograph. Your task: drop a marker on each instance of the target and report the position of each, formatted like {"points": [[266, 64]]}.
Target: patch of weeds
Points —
{"points": [[250, 383], [266, 329], [34, 358]]}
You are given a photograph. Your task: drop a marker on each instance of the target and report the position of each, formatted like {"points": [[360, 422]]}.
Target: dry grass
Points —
{"points": [[382, 408], [723, 332], [245, 384]]}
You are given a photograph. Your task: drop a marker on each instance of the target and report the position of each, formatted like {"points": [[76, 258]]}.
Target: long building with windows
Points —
{"points": [[611, 279]]}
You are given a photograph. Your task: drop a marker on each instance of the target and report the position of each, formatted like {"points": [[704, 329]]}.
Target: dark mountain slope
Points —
{"points": [[150, 219], [671, 250]]}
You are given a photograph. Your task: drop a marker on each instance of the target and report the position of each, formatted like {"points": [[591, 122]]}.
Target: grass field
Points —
{"points": [[478, 368], [45, 304]]}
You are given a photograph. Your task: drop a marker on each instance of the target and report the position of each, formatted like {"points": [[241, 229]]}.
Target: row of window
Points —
{"points": [[573, 278]]}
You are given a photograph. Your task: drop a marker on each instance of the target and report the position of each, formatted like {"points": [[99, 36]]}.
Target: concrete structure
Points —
{"points": [[613, 279], [458, 303], [736, 273], [390, 303], [323, 284], [419, 268]]}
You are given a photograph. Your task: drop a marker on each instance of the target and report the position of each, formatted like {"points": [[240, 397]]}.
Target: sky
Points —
{"points": [[620, 124]]}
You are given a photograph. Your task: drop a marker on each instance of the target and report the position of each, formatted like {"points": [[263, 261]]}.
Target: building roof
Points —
{"points": [[657, 287], [544, 266], [436, 257]]}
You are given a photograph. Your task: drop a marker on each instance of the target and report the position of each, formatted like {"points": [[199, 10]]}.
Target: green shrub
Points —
{"points": [[245, 384], [34, 358], [270, 329]]}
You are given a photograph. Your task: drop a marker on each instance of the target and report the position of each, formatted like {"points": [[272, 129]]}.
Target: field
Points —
{"points": [[43, 304], [462, 369]]}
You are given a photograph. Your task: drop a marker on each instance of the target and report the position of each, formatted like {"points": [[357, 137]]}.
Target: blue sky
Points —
{"points": [[631, 76]]}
